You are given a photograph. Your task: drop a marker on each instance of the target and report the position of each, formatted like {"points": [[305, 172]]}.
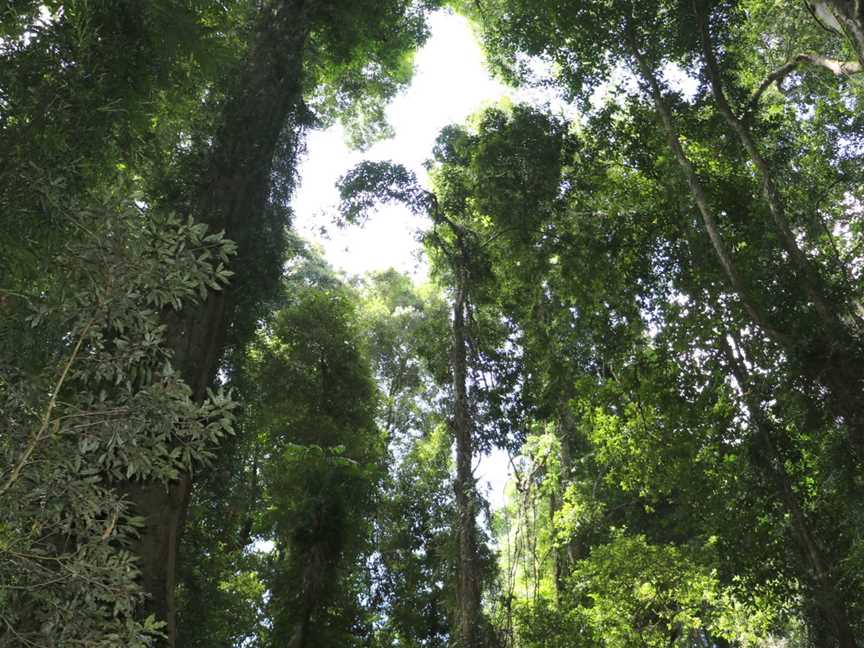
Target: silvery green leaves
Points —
{"points": [[102, 405], [128, 410]]}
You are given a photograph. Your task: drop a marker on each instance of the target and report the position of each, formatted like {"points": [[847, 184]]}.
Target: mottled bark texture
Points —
{"points": [[231, 195]]}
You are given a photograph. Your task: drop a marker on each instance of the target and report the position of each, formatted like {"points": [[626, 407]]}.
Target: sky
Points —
{"points": [[450, 84]]}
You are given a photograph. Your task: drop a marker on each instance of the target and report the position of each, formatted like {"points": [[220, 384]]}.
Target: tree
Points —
{"points": [[414, 536], [781, 263], [407, 329], [211, 151], [825, 299], [619, 320], [656, 309], [99, 405], [457, 253]]}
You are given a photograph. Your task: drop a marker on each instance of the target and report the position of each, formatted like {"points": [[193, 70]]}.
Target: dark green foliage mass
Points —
{"points": [[653, 308], [673, 340], [95, 405], [191, 109]]}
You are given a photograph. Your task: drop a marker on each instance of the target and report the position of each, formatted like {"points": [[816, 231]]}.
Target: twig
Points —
{"points": [[46, 417], [11, 293]]}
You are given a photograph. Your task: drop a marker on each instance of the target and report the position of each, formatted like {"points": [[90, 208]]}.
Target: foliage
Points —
{"points": [[632, 357], [191, 108], [99, 405], [656, 309], [412, 567], [364, 55], [304, 480], [415, 542]]}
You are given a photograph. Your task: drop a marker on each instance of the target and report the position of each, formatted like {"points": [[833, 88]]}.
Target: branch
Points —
{"points": [[819, 21], [839, 68], [811, 280], [46, 417], [11, 293], [735, 278]]}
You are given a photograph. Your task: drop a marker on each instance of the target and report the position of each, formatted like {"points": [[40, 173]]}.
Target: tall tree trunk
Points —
{"points": [[567, 552], [733, 274], [468, 589], [231, 195], [318, 568], [806, 274], [834, 357], [829, 355], [827, 596]]}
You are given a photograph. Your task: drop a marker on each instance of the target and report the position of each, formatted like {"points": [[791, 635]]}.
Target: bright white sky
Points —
{"points": [[450, 84]]}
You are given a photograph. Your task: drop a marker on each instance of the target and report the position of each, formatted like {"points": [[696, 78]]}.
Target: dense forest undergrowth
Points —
{"points": [[211, 438]]}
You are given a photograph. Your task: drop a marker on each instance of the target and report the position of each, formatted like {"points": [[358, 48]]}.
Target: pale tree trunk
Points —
{"points": [[709, 219], [806, 274], [830, 356], [231, 195], [834, 358], [846, 16]]}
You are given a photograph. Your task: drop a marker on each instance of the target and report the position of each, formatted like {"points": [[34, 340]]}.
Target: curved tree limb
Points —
{"points": [[804, 270], [837, 67], [46, 421], [831, 353], [736, 279]]}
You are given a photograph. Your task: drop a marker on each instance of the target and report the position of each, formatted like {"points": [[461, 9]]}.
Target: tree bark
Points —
{"points": [[736, 279], [818, 573], [803, 268], [829, 356], [468, 588], [849, 15], [231, 195]]}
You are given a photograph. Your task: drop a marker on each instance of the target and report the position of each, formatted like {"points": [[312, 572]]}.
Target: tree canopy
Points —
{"points": [[651, 306]]}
